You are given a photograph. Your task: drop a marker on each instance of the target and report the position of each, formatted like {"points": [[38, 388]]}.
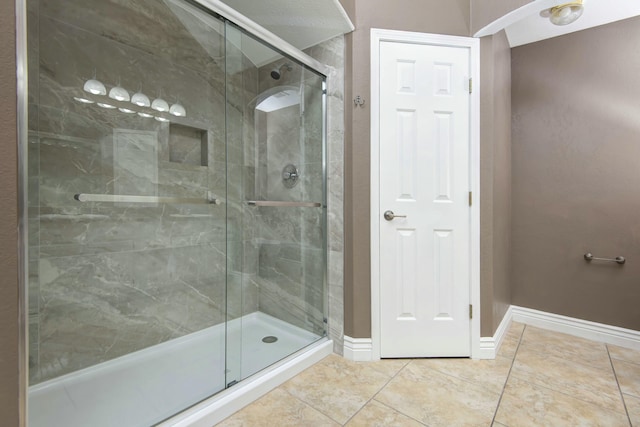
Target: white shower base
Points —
{"points": [[145, 387]]}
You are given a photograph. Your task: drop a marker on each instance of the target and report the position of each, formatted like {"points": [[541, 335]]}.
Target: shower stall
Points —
{"points": [[176, 206]]}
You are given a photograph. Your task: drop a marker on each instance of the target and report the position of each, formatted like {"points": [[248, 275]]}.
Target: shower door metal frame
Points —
{"points": [[215, 6], [23, 236]]}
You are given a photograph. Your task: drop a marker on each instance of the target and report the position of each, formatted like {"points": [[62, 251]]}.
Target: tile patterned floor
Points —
{"points": [[539, 378]]}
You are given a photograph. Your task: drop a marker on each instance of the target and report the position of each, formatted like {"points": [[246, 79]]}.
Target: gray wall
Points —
{"points": [[484, 12], [495, 180], [576, 174], [9, 375]]}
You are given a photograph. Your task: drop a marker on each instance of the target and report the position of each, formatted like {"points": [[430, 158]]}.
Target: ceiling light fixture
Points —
{"points": [[564, 14]]}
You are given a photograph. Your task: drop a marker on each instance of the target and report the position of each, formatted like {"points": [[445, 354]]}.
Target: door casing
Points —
{"points": [[378, 36]]}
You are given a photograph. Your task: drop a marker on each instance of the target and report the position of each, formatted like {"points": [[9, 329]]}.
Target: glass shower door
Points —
{"points": [[276, 206], [127, 224]]}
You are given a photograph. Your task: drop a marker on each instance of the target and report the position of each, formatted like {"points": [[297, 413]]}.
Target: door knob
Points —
{"points": [[389, 216]]}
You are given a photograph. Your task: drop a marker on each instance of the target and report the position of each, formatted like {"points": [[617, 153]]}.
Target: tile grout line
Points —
{"points": [[310, 405], [554, 390], [378, 392], [397, 410], [615, 375], [495, 413]]}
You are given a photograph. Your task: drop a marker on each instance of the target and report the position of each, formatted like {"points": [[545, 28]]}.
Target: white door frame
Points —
{"points": [[378, 36]]}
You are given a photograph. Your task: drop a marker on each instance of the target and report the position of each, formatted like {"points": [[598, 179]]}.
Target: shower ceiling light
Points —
{"points": [[119, 94], [564, 14], [107, 106], [140, 99], [83, 100], [95, 87], [145, 115], [160, 104], [178, 110], [126, 110]]}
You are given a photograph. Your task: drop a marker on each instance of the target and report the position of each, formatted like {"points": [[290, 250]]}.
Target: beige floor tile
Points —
{"points": [[524, 404], [633, 408], [437, 399], [565, 375], [628, 375], [508, 347], [278, 408], [375, 414], [337, 387], [389, 367], [497, 424], [515, 330], [566, 346], [490, 374], [626, 354]]}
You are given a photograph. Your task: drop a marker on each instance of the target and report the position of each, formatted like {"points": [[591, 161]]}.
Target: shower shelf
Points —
{"points": [[276, 203], [117, 198]]}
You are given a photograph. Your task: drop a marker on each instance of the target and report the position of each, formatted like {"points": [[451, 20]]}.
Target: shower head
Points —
{"points": [[276, 73]]}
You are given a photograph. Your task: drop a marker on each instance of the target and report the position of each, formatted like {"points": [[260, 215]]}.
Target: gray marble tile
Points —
{"points": [[108, 279]]}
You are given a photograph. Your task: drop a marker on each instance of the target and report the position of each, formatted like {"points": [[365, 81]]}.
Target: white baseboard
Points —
{"points": [[489, 346], [358, 349], [577, 327]]}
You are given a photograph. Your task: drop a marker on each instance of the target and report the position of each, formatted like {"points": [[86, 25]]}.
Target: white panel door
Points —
{"points": [[424, 177]]}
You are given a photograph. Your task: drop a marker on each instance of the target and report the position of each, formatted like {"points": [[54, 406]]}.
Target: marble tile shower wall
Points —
{"points": [[107, 279], [332, 54], [290, 276]]}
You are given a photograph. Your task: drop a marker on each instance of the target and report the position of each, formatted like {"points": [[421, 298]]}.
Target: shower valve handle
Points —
{"points": [[289, 175]]}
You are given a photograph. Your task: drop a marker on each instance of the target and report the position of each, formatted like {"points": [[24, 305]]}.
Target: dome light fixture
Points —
{"points": [[95, 87], [177, 110], [119, 94], [160, 104], [140, 99], [83, 100], [564, 14]]}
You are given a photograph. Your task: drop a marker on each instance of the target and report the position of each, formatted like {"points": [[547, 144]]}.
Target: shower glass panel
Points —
{"points": [[276, 205], [127, 242], [176, 209]]}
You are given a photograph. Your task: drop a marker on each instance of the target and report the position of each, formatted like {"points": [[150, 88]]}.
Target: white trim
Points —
{"points": [[489, 346], [377, 36], [577, 327], [358, 349], [225, 403], [344, 14]]}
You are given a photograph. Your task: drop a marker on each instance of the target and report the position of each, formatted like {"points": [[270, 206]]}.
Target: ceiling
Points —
{"points": [[302, 23], [524, 25]]}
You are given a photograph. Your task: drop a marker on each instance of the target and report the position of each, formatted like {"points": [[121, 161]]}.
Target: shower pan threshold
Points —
{"points": [[142, 388]]}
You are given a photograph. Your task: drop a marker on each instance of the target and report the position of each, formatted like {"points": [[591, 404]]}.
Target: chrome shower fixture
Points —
{"points": [[276, 73]]}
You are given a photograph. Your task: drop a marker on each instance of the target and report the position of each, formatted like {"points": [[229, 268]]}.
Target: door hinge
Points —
{"points": [[470, 85], [470, 198], [470, 311]]}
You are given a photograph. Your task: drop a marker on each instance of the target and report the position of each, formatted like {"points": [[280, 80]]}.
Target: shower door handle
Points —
{"points": [[389, 216]]}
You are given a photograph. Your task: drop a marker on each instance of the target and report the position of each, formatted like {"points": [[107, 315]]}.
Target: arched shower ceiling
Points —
{"points": [[525, 25]]}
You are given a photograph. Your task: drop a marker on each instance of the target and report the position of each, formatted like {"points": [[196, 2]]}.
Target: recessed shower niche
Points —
{"points": [[188, 145]]}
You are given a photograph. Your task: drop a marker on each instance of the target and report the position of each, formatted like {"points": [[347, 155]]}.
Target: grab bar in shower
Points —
{"points": [[619, 259], [118, 198], [281, 204]]}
